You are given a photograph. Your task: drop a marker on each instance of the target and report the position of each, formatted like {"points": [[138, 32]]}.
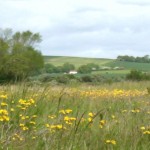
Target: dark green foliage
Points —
{"points": [[46, 78], [58, 69], [62, 79], [86, 78], [67, 67], [18, 56], [49, 68], [138, 75], [88, 68], [145, 59], [84, 69], [135, 75], [75, 79], [93, 66], [97, 78]]}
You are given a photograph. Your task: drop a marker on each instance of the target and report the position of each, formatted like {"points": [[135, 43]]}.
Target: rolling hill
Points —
{"points": [[78, 61]]}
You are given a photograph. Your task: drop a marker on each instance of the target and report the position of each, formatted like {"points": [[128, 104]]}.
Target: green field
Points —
{"points": [[129, 65], [112, 73], [77, 61]]}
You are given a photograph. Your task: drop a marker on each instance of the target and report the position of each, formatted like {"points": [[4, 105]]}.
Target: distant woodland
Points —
{"points": [[144, 59]]}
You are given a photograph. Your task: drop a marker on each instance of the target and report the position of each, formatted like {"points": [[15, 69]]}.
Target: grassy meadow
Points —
{"points": [[104, 117]]}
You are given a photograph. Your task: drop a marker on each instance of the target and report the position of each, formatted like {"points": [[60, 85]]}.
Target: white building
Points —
{"points": [[73, 72]]}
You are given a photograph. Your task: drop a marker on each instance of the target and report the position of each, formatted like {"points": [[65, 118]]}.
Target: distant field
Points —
{"points": [[129, 65], [78, 61], [119, 72]]}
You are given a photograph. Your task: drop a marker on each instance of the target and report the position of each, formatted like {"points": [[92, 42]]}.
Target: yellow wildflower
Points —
{"points": [[4, 104], [142, 128], [3, 96], [91, 114], [113, 142], [146, 132], [68, 111]]}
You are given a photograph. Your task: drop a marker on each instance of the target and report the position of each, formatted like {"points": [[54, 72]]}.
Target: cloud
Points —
{"points": [[82, 27], [135, 2]]}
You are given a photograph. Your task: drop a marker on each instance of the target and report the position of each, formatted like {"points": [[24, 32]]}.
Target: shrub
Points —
{"points": [[135, 75], [84, 69], [138, 75], [62, 79], [86, 78], [67, 67]]}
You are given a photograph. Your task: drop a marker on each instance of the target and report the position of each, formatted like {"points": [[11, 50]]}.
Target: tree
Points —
{"points": [[67, 67], [93, 66], [3, 52], [145, 59], [18, 54], [49, 68], [84, 69]]}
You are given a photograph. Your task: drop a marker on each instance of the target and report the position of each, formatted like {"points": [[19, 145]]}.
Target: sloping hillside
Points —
{"points": [[129, 65], [78, 61]]}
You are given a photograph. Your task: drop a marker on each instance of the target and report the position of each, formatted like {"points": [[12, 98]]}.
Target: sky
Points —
{"points": [[82, 28]]}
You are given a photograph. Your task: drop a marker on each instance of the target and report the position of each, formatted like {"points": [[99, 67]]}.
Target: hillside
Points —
{"points": [[129, 65], [78, 61]]}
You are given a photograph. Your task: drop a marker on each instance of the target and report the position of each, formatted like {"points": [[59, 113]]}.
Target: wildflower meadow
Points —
{"points": [[44, 117]]}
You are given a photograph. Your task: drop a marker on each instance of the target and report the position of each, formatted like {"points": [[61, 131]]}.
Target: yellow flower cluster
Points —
{"points": [[146, 130], [24, 104], [53, 128], [17, 137], [91, 116], [67, 111], [102, 123], [113, 142], [4, 115], [4, 104], [52, 116], [115, 93], [69, 120], [27, 120], [135, 110], [23, 127], [3, 96]]}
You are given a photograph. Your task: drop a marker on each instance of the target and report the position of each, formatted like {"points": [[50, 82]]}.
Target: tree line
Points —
{"points": [[144, 59], [67, 67]]}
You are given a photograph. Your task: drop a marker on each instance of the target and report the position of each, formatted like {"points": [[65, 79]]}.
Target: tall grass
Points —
{"points": [[42, 117]]}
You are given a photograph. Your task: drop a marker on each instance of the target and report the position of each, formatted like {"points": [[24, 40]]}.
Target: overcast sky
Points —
{"points": [[87, 28]]}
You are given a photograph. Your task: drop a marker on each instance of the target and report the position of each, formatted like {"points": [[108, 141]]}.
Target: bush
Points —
{"points": [[138, 75], [97, 78], [84, 69], [87, 78], [62, 79], [67, 67], [49, 68], [134, 75]]}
